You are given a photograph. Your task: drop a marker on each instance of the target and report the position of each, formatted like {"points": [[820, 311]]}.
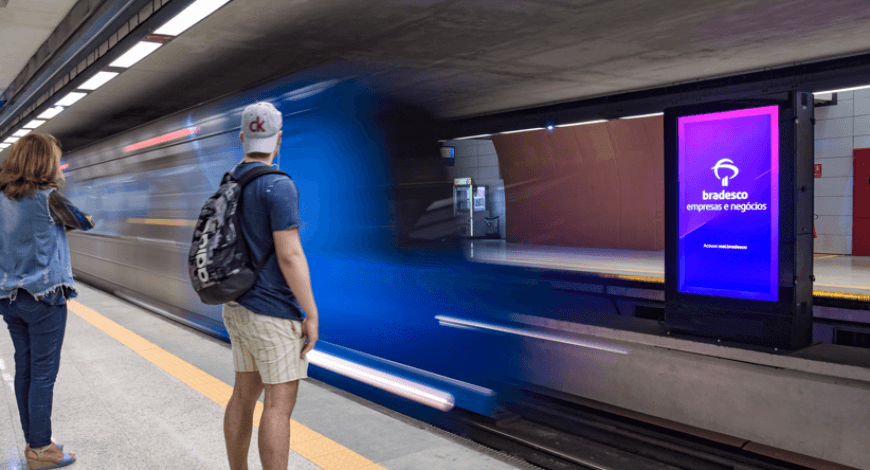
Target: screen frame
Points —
{"points": [[691, 303]]}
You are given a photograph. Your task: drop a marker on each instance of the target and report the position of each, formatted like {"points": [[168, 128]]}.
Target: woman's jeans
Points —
{"points": [[37, 331]]}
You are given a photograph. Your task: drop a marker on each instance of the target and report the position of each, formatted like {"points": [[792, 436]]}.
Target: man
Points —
{"points": [[267, 326]]}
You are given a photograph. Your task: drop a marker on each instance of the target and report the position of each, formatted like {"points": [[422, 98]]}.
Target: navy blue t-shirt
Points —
{"points": [[269, 203]]}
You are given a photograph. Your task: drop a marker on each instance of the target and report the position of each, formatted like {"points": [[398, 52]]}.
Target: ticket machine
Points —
{"points": [[467, 199]]}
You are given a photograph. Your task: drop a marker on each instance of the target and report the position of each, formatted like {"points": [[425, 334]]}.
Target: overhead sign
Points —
{"points": [[729, 203]]}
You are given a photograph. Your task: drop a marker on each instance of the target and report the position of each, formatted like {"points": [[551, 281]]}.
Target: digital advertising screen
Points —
{"points": [[728, 216]]}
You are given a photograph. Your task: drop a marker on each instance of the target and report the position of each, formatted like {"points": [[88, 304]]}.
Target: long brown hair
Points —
{"points": [[33, 163]]}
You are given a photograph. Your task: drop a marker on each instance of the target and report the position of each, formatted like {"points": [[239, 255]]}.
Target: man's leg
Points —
{"points": [[239, 418], [274, 434]]}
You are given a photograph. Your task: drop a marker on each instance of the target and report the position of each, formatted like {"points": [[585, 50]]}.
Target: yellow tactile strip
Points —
{"points": [[854, 296], [171, 222], [315, 447]]}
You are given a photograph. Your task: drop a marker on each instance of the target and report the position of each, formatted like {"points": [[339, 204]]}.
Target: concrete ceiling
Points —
{"points": [[462, 58], [24, 26]]}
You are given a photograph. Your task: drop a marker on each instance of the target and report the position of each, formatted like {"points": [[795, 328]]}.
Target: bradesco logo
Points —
{"points": [[727, 165]]}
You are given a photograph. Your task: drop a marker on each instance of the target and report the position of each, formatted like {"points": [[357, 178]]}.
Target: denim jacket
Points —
{"points": [[34, 254]]}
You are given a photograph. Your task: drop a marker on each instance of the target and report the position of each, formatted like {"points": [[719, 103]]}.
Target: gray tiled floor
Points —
{"points": [[119, 411]]}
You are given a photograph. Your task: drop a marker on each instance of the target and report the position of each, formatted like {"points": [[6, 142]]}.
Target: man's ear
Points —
{"points": [[278, 144], [242, 137]]}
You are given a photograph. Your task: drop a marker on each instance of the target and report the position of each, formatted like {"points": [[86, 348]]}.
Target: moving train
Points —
{"points": [[395, 291], [408, 315]]}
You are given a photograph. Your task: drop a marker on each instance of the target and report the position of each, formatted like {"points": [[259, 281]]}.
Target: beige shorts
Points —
{"points": [[268, 344]]}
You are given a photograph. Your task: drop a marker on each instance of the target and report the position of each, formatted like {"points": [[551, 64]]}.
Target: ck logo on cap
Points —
{"points": [[257, 125]]}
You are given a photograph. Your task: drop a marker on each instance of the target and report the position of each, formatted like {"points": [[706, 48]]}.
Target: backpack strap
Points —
{"points": [[257, 172], [243, 181]]}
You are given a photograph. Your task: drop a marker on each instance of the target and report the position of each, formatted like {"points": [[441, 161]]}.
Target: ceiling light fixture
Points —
{"points": [[3, 146], [190, 16], [596, 121], [70, 98], [51, 112], [135, 54], [98, 80], [11, 140], [479, 136], [22, 132], [34, 123], [842, 90], [642, 116], [523, 130]]}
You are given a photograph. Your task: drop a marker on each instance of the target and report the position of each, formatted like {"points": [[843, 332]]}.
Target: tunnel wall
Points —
{"points": [[597, 185]]}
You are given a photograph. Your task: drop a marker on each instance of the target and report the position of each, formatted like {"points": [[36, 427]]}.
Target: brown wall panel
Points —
{"points": [[598, 185]]}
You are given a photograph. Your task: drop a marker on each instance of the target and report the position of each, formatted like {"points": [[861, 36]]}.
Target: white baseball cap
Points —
{"points": [[261, 123]]}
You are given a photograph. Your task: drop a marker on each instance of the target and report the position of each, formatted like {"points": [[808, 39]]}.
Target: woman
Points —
{"points": [[35, 283]]}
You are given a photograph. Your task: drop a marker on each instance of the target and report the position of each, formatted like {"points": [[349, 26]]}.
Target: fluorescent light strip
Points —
{"points": [[642, 116], [71, 98], [34, 123], [22, 132], [190, 16], [11, 140], [51, 112], [842, 90], [479, 136], [135, 54], [582, 123], [3, 146], [463, 323], [420, 393], [98, 80], [523, 130]]}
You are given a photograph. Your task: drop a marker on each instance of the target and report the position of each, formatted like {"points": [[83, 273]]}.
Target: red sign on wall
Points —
{"points": [[817, 170]]}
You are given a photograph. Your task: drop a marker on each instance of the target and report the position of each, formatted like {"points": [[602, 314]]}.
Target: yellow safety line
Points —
{"points": [[625, 277], [171, 222], [842, 295], [311, 445], [825, 256], [562, 265], [660, 280]]}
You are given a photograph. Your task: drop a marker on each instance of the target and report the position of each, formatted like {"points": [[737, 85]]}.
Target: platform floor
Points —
{"points": [[834, 273], [137, 391]]}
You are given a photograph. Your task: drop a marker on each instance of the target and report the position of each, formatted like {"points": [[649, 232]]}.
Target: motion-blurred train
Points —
{"points": [[396, 295], [408, 314]]}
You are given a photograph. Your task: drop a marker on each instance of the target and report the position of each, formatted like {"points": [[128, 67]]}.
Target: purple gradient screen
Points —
{"points": [[729, 203]]}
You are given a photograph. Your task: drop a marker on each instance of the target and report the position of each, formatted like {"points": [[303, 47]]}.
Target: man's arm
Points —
{"points": [[294, 267]]}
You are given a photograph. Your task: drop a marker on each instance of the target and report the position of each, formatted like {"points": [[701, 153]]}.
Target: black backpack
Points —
{"points": [[219, 262]]}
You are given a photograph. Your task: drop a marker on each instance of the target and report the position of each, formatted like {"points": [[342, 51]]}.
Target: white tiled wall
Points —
{"points": [[839, 130], [477, 159]]}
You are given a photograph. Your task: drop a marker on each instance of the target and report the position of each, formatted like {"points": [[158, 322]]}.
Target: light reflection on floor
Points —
{"points": [[838, 273]]}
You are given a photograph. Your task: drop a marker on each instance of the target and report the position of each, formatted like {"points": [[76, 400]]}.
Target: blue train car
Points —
{"points": [[397, 297]]}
